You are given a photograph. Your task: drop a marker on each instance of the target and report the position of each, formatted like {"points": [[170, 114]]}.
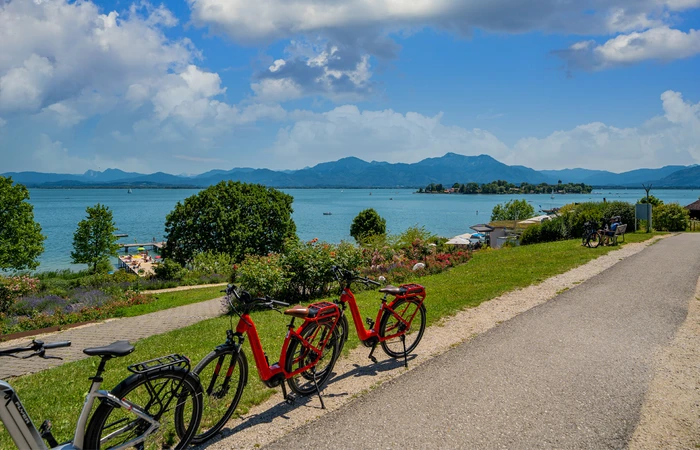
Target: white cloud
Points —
{"points": [[663, 44], [54, 51], [266, 20], [377, 135], [336, 72], [673, 138]]}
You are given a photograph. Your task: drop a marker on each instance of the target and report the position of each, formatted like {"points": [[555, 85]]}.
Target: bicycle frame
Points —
{"points": [[273, 374], [347, 297], [25, 435]]}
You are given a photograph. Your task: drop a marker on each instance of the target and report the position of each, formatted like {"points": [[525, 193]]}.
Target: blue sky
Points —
{"points": [[193, 85]]}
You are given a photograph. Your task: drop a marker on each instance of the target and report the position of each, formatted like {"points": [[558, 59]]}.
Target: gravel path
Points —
{"points": [[357, 376], [572, 373]]}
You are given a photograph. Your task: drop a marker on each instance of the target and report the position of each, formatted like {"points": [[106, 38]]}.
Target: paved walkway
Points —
{"points": [[570, 373], [103, 333]]}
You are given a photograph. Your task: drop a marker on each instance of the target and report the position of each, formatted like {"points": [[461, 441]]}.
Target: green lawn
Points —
{"points": [[169, 300], [489, 274]]}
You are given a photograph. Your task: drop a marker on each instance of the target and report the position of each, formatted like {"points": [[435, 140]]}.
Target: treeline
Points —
{"points": [[504, 187]]}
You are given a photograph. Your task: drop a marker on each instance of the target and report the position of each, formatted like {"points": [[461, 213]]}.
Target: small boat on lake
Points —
{"points": [[129, 191], [327, 213]]}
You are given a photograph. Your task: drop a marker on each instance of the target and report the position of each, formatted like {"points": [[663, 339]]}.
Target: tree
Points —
{"points": [[21, 241], [367, 223], [94, 240], [651, 199], [512, 210], [235, 218]]}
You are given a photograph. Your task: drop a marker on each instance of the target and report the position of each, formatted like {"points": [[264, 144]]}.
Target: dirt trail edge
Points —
{"points": [[356, 375]]}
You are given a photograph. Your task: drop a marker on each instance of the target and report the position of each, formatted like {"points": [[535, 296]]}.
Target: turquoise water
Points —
{"points": [[141, 214]]}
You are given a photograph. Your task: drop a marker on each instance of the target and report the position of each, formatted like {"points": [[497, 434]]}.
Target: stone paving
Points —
{"points": [[104, 333]]}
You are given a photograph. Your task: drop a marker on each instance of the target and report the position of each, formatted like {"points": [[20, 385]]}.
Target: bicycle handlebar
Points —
{"points": [[352, 276], [38, 347]]}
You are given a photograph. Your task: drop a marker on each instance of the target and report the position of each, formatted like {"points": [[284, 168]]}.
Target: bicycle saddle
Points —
{"points": [[114, 350], [393, 290], [300, 312]]}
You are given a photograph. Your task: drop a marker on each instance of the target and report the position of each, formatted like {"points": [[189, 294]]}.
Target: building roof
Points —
{"points": [[695, 206], [511, 224], [482, 228]]}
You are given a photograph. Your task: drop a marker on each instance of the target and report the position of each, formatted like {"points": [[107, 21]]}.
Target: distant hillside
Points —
{"points": [[686, 177], [353, 172]]}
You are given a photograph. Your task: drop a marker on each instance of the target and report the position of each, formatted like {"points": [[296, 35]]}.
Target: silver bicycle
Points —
{"points": [[158, 406]]}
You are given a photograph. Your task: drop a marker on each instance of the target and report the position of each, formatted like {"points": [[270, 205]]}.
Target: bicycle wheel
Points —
{"points": [[343, 331], [391, 325], [300, 355], [594, 239], [171, 396], [222, 390]]}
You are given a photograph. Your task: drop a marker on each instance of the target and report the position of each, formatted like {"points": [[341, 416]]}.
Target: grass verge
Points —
{"points": [[167, 300], [488, 275]]}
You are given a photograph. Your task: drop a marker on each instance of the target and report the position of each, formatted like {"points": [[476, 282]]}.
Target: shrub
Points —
{"points": [[210, 263], [531, 235], [623, 209], [12, 288], [169, 270], [262, 275], [670, 217], [367, 223]]}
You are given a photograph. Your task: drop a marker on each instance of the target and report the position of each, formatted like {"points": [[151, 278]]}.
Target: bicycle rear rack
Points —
{"points": [[151, 365]]}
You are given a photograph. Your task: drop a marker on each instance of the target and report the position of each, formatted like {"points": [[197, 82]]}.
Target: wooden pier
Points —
{"points": [[148, 245]]}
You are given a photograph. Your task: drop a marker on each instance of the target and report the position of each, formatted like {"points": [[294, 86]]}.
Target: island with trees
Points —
{"points": [[504, 187]]}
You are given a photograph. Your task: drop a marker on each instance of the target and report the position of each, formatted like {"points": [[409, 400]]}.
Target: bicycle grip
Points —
{"points": [[277, 302], [376, 283], [58, 344]]}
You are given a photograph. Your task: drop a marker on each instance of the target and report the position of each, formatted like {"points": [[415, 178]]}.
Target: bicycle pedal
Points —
{"points": [[45, 433], [290, 399], [373, 359]]}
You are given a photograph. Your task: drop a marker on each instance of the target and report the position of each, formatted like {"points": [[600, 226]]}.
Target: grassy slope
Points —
{"points": [[487, 275], [167, 300]]}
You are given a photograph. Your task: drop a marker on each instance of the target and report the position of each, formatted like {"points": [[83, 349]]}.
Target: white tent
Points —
{"points": [[462, 239]]}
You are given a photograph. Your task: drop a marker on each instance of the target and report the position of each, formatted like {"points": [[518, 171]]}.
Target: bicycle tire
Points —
{"points": [[594, 239], [299, 356], [389, 323], [221, 394], [174, 384], [343, 330]]}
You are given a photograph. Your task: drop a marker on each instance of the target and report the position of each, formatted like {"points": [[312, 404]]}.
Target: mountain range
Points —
{"points": [[353, 172]]}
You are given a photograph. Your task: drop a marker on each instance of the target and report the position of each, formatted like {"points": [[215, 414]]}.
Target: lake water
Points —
{"points": [[141, 214]]}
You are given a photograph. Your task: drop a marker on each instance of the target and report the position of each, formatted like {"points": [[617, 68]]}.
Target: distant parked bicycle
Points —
{"points": [[401, 321], [306, 361], [159, 406], [592, 236]]}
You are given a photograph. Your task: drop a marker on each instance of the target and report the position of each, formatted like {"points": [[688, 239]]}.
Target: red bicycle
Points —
{"points": [[401, 320], [306, 361]]}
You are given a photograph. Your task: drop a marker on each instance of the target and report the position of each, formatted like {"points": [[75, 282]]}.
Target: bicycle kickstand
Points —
{"points": [[318, 391], [405, 356], [288, 398], [371, 353]]}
